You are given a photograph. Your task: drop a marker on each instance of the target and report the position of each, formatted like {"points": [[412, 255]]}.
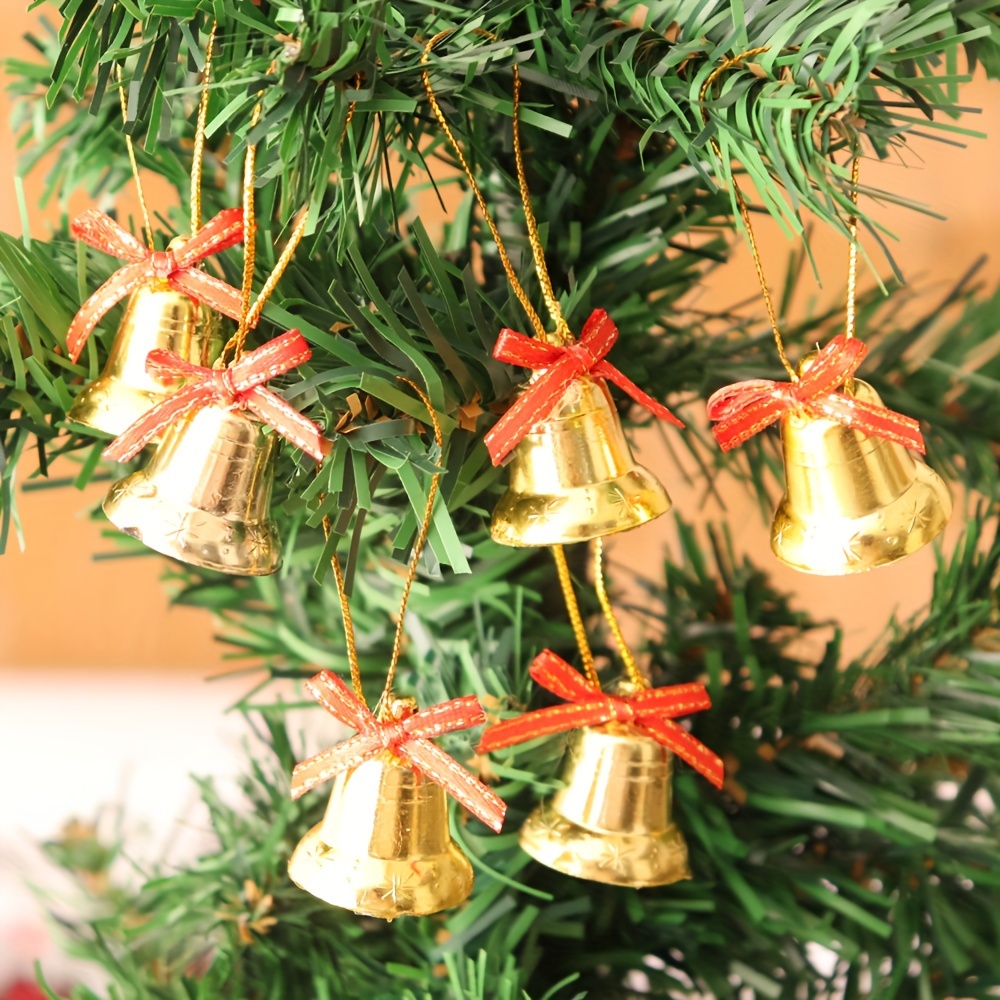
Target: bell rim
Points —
{"points": [[925, 481], [162, 544], [304, 866], [565, 835], [141, 401], [514, 510]]}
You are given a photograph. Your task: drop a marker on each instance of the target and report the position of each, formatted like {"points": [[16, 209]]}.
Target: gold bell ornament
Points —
{"points": [[572, 474], [853, 502], [173, 305], [204, 497], [612, 819], [855, 496], [384, 847]]}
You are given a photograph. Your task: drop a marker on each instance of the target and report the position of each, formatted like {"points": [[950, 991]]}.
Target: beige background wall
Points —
{"points": [[113, 614]]}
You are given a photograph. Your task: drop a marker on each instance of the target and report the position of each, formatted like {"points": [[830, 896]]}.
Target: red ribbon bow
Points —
{"points": [[178, 267], [239, 387], [746, 408], [561, 364], [408, 738], [651, 711]]}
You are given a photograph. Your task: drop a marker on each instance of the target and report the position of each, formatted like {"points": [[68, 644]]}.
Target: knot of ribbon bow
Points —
{"points": [[408, 738], [560, 365], [650, 711], [239, 386], [178, 266], [744, 409]]}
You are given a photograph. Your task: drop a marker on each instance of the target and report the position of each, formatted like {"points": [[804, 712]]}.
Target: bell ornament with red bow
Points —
{"points": [[204, 497], [856, 497], [852, 502], [172, 305], [572, 475], [612, 819], [384, 847]]}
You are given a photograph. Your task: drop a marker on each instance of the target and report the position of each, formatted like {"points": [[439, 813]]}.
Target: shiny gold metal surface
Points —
{"points": [[612, 820], [156, 317], [384, 848], [573, 476], [204, 497], [852, 502]]}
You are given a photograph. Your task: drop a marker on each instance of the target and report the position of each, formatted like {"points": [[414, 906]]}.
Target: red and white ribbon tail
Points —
{"points": [[468, 790]]}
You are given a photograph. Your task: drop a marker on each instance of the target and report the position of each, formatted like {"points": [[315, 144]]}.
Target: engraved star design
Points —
{"points": [[919, 518], [117, 491], [176, 529], [257, 543], [396, 882], [618, 499], [848, 548], [552, 823], [779, 535], [613, 856], [543, 511]]}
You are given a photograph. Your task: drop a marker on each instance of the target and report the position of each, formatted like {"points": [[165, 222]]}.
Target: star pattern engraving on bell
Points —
{"points": [[849, 549], [118, 491], [613, 857], [552, 824], [396, 882], [177, 528], [779, 535], [918, 515], [619, 499], [257, 544]]}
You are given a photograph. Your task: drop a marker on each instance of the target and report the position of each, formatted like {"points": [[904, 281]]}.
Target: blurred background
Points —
{"points": [[108, 706]]}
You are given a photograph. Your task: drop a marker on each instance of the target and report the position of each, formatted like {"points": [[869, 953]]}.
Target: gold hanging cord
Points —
{"points": [[411, 575], [561, 334], [197, 167], [737, 61], [418, 548], [635, 675], [130, 146], [252, 308], [729, 63], [852, 258], [345, 611], [575, 618]]}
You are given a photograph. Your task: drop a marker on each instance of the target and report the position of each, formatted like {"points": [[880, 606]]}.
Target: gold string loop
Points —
{"points": [[561, 333], [345, 611], [411, 575], [197, 167], [728, 63], [251, 309], [575, 618], [130, 146], [418, 548], [632, 670], [852, 257]]}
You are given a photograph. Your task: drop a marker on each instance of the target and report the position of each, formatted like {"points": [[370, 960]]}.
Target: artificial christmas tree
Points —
{"points": [[853, 847]]}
